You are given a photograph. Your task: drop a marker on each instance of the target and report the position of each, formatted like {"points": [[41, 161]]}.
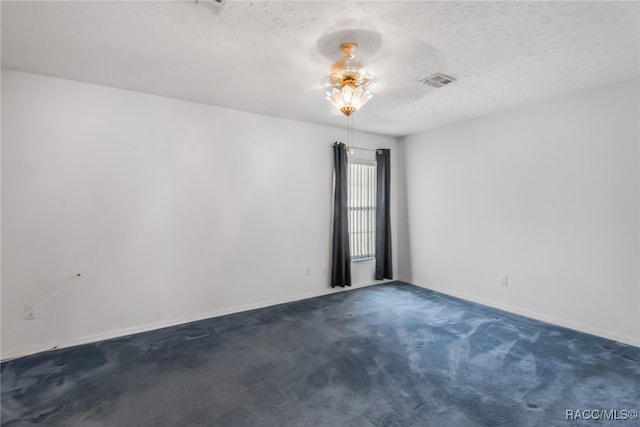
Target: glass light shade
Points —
{"points": [[347, 99], [348, 83]]}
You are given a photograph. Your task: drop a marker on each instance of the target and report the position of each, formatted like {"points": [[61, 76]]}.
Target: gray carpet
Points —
{"points": [[386, 355]]}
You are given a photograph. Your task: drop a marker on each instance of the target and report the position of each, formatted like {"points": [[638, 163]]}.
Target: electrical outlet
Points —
{"points": [[29, 313], [307, 271], [504, 280]]}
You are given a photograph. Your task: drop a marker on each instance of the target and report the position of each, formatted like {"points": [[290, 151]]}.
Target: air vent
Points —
{"points": [[438, 80]]}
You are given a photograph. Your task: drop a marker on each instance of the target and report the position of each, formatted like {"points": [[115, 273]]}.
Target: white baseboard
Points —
{"points": [[532, 314], [14, 354], [17, 353]]}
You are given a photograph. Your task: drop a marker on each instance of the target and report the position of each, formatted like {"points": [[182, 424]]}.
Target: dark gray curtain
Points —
{"points": [[340, 253], [384, 269]]}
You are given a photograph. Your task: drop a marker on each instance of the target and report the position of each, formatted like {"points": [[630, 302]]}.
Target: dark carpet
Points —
{"points": [[386, 355]]}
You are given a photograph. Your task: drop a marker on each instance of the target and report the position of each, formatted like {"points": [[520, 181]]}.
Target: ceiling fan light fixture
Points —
{"points": [[348, 82]]}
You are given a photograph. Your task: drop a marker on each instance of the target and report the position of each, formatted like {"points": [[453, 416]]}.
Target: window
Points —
{"points": [[362, 209]]}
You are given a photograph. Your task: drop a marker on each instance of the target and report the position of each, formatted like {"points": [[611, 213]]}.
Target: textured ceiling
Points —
{"points": [[271, 57]]}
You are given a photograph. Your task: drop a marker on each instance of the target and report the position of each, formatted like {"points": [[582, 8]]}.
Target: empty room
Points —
{"points": [[320, 213]]}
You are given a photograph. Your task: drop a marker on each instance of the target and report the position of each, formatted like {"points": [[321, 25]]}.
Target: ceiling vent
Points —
{"points": [[438, 80]]}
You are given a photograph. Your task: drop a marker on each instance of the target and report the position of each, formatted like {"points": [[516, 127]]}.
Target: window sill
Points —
{"points": [[363, 259]]}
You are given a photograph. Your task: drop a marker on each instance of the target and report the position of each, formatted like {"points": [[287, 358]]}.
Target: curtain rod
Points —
{"points": [[359, 148]]}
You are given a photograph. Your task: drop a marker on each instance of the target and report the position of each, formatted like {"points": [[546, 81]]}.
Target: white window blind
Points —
{"points": [[362, 209]]}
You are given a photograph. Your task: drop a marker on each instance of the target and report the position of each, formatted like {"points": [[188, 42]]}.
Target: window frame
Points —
{"points": [[370, 222]]}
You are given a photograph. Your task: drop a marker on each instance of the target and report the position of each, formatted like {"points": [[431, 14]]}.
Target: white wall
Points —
{"points": [[171, 210], [547, 194]]}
